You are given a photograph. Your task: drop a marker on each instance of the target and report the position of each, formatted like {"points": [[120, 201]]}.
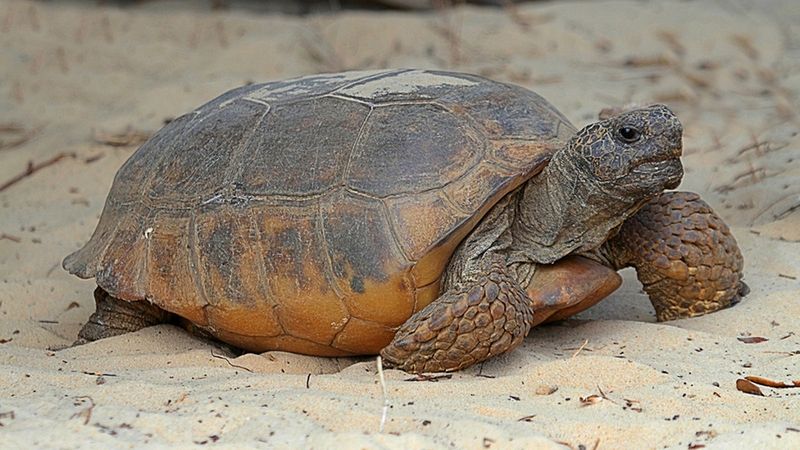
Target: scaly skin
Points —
{"points": [[684, 255], [463, 327], [114, 317]]}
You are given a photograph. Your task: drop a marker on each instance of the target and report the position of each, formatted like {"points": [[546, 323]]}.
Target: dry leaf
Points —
{"points": [[752, 339], [545, 389], [590, 400], [748, 387], [772, 383]]}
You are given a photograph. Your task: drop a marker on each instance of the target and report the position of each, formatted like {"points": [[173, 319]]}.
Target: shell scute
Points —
{"points": [[303, 148], [433, 148], [171, 269], [201, 158]]}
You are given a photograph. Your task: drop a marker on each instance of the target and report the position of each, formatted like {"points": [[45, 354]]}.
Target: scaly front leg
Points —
{"points": [[684, 255], [488, 316]]}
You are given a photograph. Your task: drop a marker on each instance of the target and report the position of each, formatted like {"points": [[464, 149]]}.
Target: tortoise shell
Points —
{"points": [[315, 215]]}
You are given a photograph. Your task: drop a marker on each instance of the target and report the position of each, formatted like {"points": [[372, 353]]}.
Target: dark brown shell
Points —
{"points": [[315, 215]]}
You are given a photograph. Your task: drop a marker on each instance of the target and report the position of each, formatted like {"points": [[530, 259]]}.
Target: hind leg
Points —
{"points": [[113, 317], [684, 255]]}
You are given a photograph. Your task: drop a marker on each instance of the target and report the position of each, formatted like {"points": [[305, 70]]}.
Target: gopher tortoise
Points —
{"points": [[432, 217]]}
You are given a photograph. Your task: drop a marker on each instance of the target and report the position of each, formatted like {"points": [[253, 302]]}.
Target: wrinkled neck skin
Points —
{"points": [[563, 211], [558, 212]]}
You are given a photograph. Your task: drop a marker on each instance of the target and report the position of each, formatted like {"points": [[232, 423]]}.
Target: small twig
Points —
{"points": [[633, 405], [86, 413], [524, 21], [772, 383], [320, 51], [11, 128], [603, 394], [432, 378], [791, 353], [33, 168], [788, 211], [126, 138], [756, 145], [752, 339], [385, 409], [745, 44], [594, 398], [481, 374], [783, 275], [93, 158], [773, 204], [22, 135], [450, 31], [10, 237], [52, 268], [98, 374], [586, 341], [229, 362]]}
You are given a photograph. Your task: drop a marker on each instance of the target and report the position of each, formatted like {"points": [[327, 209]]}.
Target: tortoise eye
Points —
{"points": [[629, 134]]}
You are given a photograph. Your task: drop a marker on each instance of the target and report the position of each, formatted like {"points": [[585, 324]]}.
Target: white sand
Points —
{"points": [[731, 72]]}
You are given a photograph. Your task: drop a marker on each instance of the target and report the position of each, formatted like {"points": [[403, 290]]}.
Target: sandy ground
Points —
{"points": [[76, 79]]}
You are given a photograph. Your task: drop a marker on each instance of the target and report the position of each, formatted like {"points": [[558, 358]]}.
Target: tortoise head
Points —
{"points": [[602, 176], [636, 153]]}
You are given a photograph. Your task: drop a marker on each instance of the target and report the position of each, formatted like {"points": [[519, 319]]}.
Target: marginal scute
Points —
{"points": [[260, 344], [296, 271], [363, 336], [224, 240], [124, 275], [241, 318], [85, 262], [171, 274]]}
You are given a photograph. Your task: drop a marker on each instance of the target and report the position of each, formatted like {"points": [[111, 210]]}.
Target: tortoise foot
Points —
{"points": [[489, 317], [114, 317], [684, 255]]}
